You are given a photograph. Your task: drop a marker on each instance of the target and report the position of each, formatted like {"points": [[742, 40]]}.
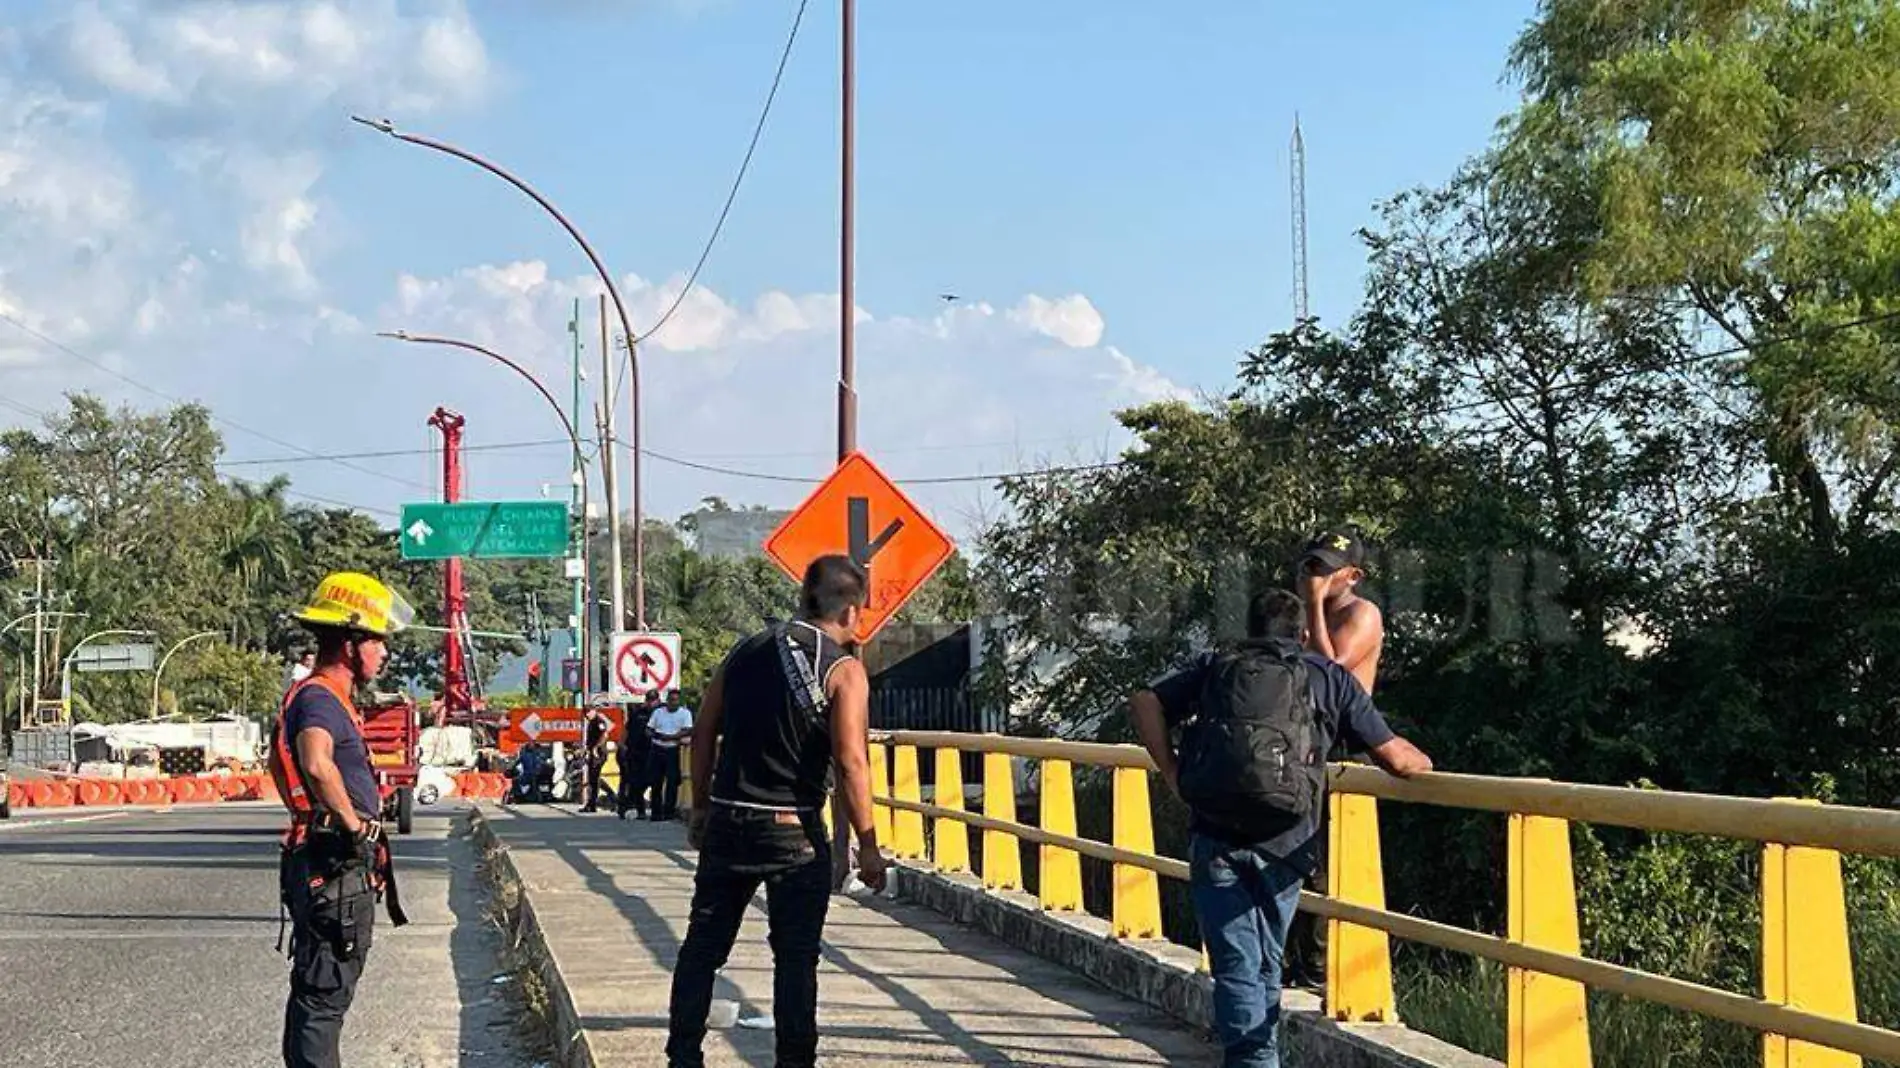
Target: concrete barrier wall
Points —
{"points": [[1167, 976]]}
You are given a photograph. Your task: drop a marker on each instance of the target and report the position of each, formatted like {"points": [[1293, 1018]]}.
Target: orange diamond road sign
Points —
{"points": [[861, 512]]}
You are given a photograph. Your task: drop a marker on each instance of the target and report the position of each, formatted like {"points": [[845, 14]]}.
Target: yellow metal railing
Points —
{"points": [[1806, 1016]]}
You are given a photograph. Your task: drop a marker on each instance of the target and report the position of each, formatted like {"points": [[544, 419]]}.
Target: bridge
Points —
{"points": [[985, 952]]}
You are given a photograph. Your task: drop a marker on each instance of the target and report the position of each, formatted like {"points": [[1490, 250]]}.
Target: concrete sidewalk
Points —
{"points": [[897, 984]]}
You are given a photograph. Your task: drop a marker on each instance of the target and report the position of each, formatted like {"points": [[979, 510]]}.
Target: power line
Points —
{"points": [[384, 454], [320, 499], [732, 194], [567, 446], [162, 395]]}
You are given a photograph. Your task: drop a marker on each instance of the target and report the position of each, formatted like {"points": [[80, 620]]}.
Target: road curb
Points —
{"points": [[570, 1038]]}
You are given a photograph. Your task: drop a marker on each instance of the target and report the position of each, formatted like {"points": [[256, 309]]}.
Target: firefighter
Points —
{"points": [[336, 862]]}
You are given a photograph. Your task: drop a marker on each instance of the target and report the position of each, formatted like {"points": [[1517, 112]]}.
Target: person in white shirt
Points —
{"points": [[671, 724], [301, 670]]}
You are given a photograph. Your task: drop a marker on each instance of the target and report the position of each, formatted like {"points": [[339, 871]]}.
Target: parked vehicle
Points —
{"points": [[392, 729]]}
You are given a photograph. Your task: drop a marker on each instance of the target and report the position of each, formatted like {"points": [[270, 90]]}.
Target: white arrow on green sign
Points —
{"points": [[484, 530]]}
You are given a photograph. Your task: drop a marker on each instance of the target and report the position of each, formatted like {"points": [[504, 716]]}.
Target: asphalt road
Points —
{"points": [[143, 938]]}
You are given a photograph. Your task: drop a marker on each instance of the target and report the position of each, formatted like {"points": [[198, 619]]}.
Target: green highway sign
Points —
{"points": [[484, 530]]}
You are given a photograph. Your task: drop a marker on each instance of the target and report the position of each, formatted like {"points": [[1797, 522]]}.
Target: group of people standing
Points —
{"points": [[1242, 734], [648, 757]]}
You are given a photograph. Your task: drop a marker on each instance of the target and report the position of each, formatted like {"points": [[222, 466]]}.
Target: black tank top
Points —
{"points": [[774, 753]]}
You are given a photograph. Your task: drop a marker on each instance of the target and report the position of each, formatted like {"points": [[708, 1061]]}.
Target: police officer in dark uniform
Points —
{"points": [[633, 755], [335, 862], [595, 729]]}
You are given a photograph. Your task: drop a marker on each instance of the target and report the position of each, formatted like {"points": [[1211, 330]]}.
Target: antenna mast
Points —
{"points": [[1300, 312]]}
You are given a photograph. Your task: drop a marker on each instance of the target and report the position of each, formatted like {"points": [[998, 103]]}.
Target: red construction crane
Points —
{"points": [[458, 704]]}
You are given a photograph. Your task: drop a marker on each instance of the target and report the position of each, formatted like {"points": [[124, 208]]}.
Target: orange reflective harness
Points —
{"points": [[306, 817]]}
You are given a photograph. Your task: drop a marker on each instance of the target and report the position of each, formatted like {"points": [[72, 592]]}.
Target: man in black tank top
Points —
{"points": [[787, 703]]}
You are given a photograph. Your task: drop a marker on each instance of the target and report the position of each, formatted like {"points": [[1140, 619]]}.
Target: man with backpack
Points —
{"points": [[1257, 723]]}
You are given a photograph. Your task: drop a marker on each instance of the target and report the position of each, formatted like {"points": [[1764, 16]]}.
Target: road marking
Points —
{"points": [[18, 825]]}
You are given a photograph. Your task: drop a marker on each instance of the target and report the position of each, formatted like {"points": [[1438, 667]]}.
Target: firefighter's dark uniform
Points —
{"points": [[331, 880]]}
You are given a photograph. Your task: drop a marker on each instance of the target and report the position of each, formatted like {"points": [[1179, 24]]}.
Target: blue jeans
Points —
{"points": [[1245, 900]]}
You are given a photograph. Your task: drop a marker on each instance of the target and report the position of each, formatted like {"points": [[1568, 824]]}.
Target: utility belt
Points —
{"points": [[323, 867]]}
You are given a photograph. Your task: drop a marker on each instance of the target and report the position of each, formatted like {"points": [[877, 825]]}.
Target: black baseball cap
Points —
{"points": [[1335, 548]]}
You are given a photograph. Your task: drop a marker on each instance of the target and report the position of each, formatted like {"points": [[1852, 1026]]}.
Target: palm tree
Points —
{"points": [[258, 547]]}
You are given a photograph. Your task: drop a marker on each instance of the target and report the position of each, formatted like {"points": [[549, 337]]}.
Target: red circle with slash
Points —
{"points": [[645, 665]]}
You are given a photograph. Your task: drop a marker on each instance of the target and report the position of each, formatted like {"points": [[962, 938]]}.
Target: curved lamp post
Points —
{"points": [[35, 684], [17, 620], [633, 361], [580, 476], [66, 666], [166, 659]]}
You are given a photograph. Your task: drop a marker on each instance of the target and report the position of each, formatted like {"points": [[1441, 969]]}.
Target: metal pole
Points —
{"points": [[577, 634], [166, 659], [620, 309], [843, 845], [847, 304], [617, 593], [566, 424], [38, 615], [39, 636]]}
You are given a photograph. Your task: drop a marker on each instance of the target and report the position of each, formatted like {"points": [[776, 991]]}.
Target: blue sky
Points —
{"points": [[1104, 183]]}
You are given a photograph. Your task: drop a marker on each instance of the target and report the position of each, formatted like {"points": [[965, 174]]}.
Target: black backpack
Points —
{"points": [[1251, 763]]}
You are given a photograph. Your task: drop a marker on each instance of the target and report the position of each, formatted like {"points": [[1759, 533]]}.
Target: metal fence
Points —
{"points": [[935, 708]]}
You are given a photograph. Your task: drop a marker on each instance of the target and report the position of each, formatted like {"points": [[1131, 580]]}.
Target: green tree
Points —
{"points": [[1742, 160]]}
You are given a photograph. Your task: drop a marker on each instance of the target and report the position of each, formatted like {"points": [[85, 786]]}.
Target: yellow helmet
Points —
{"points": [[355, 601]]}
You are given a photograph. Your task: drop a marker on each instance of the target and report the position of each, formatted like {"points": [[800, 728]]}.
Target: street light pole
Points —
{"points": [[847, 265], [626, 327], [32, 687], [166, 659], [566, 424], [66, 666]]}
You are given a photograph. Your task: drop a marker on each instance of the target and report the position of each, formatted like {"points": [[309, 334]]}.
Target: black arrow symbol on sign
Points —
{"points": [[858, 524]]}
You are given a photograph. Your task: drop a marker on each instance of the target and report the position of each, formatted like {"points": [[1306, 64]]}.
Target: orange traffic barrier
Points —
{"points": [[98, 792], [179, 790], [56, 794], [267, 789], [464, 784], [17, 796], [232, 787], [206, 789]]}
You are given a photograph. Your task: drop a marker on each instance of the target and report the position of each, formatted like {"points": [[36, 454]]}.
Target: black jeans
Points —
{"points": [[332, 915], [633, 781], [787, 853], [663, 776], [590, 797]]}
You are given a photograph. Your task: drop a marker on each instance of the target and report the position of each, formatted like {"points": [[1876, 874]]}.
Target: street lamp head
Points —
{"points": [[380, 125], [394, 335]]}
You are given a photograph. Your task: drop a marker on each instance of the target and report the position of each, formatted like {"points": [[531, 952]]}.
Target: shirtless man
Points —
{"points": [[1349, 630], [1341, 625]]}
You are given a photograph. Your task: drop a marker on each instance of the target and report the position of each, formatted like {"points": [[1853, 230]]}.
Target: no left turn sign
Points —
{"points": [[645, 662]]}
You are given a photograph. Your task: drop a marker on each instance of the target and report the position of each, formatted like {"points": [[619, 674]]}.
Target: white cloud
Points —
{"points": [[245, 91], [966, 389], [262, 64], [1071, 320]]}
